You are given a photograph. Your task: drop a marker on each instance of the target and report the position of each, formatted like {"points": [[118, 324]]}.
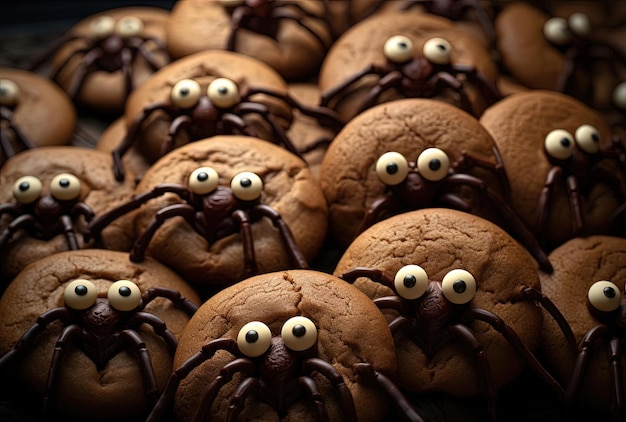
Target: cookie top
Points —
{"points": [[578, 264], [520, 125], [350, 329], [288, 187], [441, 240], [42, 112], [199, 25], [98, 190], [82, 389]]}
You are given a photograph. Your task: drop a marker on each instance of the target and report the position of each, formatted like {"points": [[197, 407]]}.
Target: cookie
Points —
{"points": [[36, 112], [93, 371], [111, 138], [441, 241]]}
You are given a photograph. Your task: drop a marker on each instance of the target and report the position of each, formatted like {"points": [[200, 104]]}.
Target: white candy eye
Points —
{"points": [[619, 96], [437, 50], [102, 27], [399, 49], [254, 339], [579, 24], [604, 296], [27, 189], [458, 286], [124, 295], [65, 187], [246, 186], [185, 93], [223, 93], [588, 138], [392, 168], [559, 144], [557, 31], [203, 180], [80, 294], [9, 92], [433, 164], [129, 26], [299, 333], [411, 281]]}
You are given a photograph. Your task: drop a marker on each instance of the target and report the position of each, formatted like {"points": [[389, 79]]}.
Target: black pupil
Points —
{"points": [[124, 291], [409, 281], [402, 45], [184, 92], [392, 168], [252, 336], [609, 292], [203, 176], [595, 138], [459, 286], [441, 47], [565, 142], [81, 290], [299, 330], [222, 90], [64, 183], [245, 182], [24, 186], [434, 164]]}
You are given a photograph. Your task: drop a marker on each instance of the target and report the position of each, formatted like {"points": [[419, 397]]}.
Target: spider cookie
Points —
{"points": [[563, 169], [588, 287], [33, 112], [248, 207], [291, 37], [47, 197], [407, 55], [84, 329], [461, 287], [294, 335], [104, 57]]}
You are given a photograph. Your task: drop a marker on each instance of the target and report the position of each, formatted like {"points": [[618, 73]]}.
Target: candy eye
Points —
{"points": [[433, 164], [588, 138], [124, 295], [223, 93], [254, 339], [557, 32], [399, 49], [27, 189], [299, 333], [411, 281], [186, 93], [579, 24], [80, 294], [619, 96], [604, 296], [437, 50], [65, 187], [129, 26], [203, 180], [458, 286], [246, 186], [559, 144], [102, 27], [9, 92], [392, 168]]}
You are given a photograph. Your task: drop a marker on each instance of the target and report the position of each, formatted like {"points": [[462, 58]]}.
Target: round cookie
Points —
{"points": [[579, 264], [83, 390], [439, 241], [288, 187], [363, 45], [98, 191], [519, 125], [106, 89], [350, 329], [41, 111], [199, 25]]}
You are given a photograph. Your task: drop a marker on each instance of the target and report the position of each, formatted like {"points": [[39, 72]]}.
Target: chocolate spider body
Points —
{"points": [[101, 328], [212, 211], [9, 93], [434, 313]]}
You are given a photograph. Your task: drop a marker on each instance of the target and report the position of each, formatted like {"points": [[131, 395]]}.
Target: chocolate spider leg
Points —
{"points": [[21, 222], [295, 254], [249, 257], [389, 80], [371, 273], [47, 54], [446, 80], [388, 203], [178, 124], [6, 145], [9, 208], [20, 136], [126, 57], [138, 251], [329, 94], [149, 56], [132, 339], [469, 158], [330, 373], [68, 231], [78, 79], [298, 21], [237, 17], [575, 206], [159, 327], [488, 90], [313, 393], [484, 20], [249, 386], [543, 203], [398, 304], [174, 296], [615, 366]]}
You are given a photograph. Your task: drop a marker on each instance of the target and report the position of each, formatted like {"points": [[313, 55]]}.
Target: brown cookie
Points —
{"points": [[90, 377], [439, 241], [364, 45], [288, 187], [105, 87], [520, 125], [35, 107], [578, 265], [350, 330], [199, 25], [50, 204], [111, 138]]}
